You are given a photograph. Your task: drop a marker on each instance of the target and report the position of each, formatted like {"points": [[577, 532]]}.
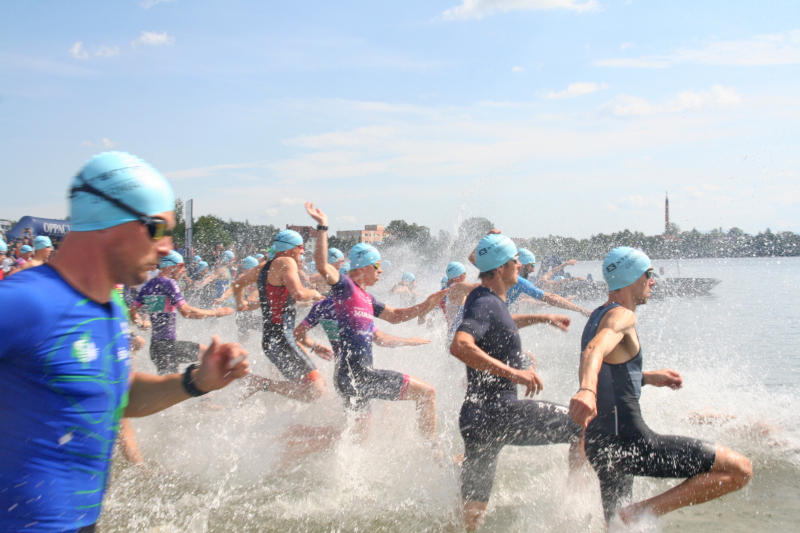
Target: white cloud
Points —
{"points": [[78, 51], [773, 49], [517, 69], [349, 219], [624, 46], [577, 89], [106, 51], [153, 38], [292, 201], [108, 143], [633, 106], [477, 9], [87, 143], [272, 212], [147, 4], [629, 106]]}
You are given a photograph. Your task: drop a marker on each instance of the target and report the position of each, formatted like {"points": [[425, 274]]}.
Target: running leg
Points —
{"points": [[425, 397]]}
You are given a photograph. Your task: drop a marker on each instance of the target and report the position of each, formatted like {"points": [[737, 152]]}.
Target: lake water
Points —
{"points": [[217, 470]]}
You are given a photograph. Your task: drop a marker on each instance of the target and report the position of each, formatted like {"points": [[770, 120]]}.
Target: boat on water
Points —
{"points": [[664, 288]]}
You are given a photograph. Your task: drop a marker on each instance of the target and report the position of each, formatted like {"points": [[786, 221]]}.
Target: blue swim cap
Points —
{"points": [[3, 246], [286, 240], [622, 266], [408, 277], [42, 241], [121, 176], [385, 263], [24, 249], [526, 257], [494, 251], [363, 254], [202, 265], [227, 255], [171, 259], [259, 256], [454, 269], [197, 259], [345, 268], [444, 282], [249, 262], [334, 254]]}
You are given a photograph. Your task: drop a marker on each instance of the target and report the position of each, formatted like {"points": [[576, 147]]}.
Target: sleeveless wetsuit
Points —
{"points": [[492, 416], [64, 370], [619, 445], [279, 310]]}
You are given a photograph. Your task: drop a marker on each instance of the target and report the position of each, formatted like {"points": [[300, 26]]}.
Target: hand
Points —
{"points": [[317, 214], [560, 321], [494, 231], [583, 407], [571, 262], [220, 365], [223, 311], [436, 297], [323, 352], [216, 301], [586, 312], [533, 383], [664, 378], [417, 341]]}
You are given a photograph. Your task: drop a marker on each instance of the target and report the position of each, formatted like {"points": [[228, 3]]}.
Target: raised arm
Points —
{"points": [[327, 271], [404, 314], [615, 324]]}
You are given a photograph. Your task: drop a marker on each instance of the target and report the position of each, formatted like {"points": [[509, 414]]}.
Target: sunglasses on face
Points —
{"points": [[649, 273], [156, 227], [376, 265]]}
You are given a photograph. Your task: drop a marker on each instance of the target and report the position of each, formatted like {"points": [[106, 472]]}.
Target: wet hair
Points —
{"points": [[489, 274]]}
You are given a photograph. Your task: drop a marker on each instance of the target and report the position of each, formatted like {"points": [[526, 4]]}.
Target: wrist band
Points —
{"points": [[321, 228], [188, 382], [589, 390]]}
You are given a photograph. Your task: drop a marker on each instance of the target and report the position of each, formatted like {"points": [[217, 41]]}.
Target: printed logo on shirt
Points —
{"points": [[84, 350], [331, 328], [155, 303]]}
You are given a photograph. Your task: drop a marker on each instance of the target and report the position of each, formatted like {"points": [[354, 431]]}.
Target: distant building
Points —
{"points": [[309, 234], [371, 233]]}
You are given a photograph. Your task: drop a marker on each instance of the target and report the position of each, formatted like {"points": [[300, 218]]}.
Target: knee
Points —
{"points": [[428, 395], [742, 472], [315, 390]]}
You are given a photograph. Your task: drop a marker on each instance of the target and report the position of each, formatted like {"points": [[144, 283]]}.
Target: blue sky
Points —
{"points": [[567, 117]]}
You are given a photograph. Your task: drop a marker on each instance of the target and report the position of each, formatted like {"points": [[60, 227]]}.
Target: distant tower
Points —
{"points": [[666, 213]]}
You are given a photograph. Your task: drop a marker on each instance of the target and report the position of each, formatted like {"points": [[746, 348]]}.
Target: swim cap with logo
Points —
{"points": [[454, 269], [444, 282], [249, 262], [24, 249], [171, 259], [526, 257], [408, 277], [334, 254], [494, 251], [344, 269], [42, 241], [623, 265], [124, 177], [286, 240], [202, 265], [227, 255], [363, 254]]}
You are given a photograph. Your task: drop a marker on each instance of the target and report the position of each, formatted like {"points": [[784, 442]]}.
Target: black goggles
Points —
{"points": [[649, 273], [156, 227]]}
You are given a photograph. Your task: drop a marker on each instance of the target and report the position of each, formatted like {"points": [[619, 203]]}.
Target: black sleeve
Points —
{"points": [[477, 318]]}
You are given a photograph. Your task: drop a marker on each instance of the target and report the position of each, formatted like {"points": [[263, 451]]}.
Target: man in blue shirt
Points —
{"points": [[65, 376]]}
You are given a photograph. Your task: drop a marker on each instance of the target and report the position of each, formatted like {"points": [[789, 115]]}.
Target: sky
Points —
{"points": [[548, 117]]}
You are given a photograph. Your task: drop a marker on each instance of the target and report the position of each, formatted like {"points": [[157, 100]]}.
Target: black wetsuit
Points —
{"points": [[279, 310], [492, 416], [619, 445]]}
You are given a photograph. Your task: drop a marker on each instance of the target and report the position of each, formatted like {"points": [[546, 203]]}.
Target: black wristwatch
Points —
{"points": [[188, 382], [320, 227]]}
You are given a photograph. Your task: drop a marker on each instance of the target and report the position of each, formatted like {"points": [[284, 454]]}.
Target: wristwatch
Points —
{"points": [[320, 227]]}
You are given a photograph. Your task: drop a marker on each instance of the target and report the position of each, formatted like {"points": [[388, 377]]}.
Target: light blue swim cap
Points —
{"points": [[202, 265], [345, 268], [171, 259], [385, 263], [444, 282], [3, 246], [334, 254], [259, 256], [408, 277], [24, 249], [622, 266], [249, 262], [124, 177], [286, 240], [454, 269], [526, 257], [227, 255], [197, 259], [363, 254], [494, 251], [558, 278], [42, 241]]}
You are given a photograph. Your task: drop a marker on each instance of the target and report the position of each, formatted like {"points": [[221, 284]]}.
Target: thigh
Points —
{"points": [[185, 351], [281, 348], [672, 456], [478, 469], [536, 423], [376, 384], [160, 351]]}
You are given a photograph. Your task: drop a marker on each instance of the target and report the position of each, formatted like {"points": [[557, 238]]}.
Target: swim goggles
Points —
{"points": [[376, 265]]}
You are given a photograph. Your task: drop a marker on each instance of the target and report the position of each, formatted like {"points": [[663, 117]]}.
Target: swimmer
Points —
{"points": [[335, 259], [42, 249], [65, 366], [25, 254], [492, 416], [221, 277], [246, 320], [279, 290], [458, 290], [357, 380], [619, 445], [160, 297], [406, 287]]}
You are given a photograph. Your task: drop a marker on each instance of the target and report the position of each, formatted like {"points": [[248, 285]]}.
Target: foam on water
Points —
{"points": [[219, 470]]}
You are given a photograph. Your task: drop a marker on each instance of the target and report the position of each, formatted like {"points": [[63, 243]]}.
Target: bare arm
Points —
{"points": [[327, 271], [218, 274], [301, 336], [390, 341], [464, 349], [244, 281], [291, 278], [192, 312], [396, 316], [559, 321], [563, 303]]}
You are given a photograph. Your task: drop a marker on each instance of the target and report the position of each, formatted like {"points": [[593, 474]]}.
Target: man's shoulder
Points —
{"points": [[35, 296]]}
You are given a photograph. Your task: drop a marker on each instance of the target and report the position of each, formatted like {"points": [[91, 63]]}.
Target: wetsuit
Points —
{"points": [[523, 286], [492, 416], [161, 298], [619, 445], [356, 379], [64, 370], [246, 321], [221, 286], [279, 310]]}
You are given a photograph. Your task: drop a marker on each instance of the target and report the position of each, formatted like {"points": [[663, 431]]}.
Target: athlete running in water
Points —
{"points": [[65, 377], [221, 277], [406, 289], [492, 416], [336, 260], [246, 319], [42, 249], [458, 290], [279, 289], [357, 380], [160, 297], [619, 445]]}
